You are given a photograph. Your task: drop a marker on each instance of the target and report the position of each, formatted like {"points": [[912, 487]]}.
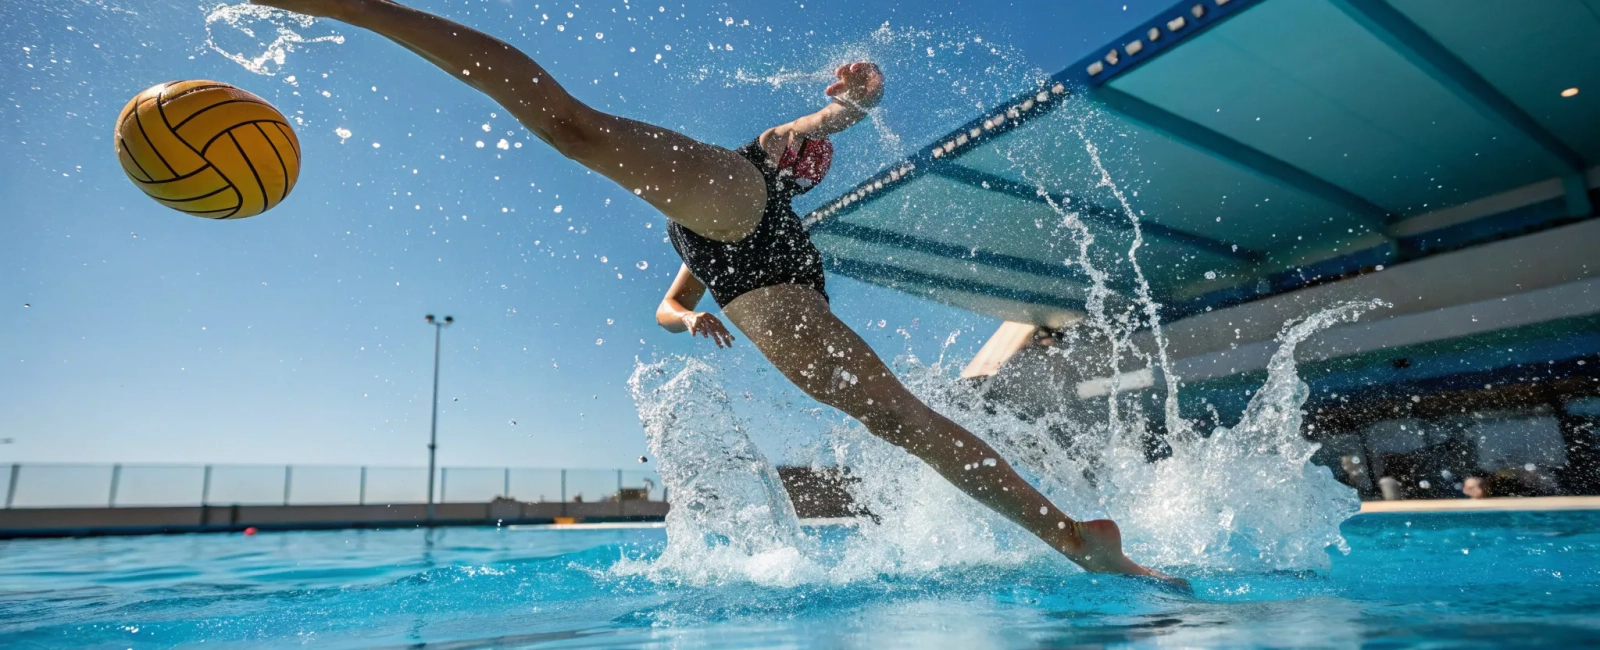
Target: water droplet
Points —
{"points": [[642, 265], [599, 341]]}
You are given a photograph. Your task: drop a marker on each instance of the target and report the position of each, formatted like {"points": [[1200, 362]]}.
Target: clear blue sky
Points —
{"points": [[135, 333]]}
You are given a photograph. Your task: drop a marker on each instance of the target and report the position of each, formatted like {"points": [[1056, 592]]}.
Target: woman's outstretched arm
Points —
{"points": [[859, 88], [676, 312]]}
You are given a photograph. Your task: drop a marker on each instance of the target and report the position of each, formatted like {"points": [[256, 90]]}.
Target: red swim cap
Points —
{"points": [[809, 166]]}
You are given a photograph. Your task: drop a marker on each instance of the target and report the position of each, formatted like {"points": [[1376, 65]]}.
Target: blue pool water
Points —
{"points": [[1477, 580]]}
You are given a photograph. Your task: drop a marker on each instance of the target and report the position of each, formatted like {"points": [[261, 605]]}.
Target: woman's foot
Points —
{"points": [[1099, 550]]}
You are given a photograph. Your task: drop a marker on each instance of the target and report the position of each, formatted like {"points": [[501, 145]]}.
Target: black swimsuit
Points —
{"points": [[779, 251]]}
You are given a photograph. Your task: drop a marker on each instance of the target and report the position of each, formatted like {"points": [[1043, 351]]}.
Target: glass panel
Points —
{"points": [[641, 485], [471, 484], [321, 484], [160, 485], [44, 486], [397, 485], [62, 486], [536, 485], [246, 484], [591, 485]]}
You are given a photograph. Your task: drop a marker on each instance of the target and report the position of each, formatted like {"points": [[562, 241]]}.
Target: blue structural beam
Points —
{"points": [[1434, 59], [1090, 212], [1239, 154], [963, 254], [893, 277]]}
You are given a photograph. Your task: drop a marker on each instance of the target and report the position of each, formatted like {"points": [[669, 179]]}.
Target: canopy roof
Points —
{"points": [[1263, 144]]}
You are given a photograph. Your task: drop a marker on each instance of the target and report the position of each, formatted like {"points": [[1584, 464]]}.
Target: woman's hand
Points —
{"points": [[860, 83], [336, 9], [700, 323]]}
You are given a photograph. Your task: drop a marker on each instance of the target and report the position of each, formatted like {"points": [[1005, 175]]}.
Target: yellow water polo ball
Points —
{"points": [[208, 149]]}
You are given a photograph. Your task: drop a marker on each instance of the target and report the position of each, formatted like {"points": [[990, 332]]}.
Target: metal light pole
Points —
{"points": [[433, 428]]}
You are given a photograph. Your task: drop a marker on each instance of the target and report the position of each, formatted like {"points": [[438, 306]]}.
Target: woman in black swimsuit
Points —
{"points": [[732, 223]]}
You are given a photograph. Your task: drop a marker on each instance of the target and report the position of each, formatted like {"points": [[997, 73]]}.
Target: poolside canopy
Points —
{"points": [[1272, 144]]}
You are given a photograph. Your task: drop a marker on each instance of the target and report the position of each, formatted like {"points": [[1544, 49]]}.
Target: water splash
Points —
{"points": [[785, 78], [730, 514], [1246, 497], [1176, 426], [245, 20]]}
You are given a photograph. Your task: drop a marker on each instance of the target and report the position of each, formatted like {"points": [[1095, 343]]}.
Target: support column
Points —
{"points": [[116, 477], [11, 487], [205, 487]]}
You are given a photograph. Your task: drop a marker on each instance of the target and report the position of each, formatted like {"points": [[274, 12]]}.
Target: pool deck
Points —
{"points": [[1483, 505]]}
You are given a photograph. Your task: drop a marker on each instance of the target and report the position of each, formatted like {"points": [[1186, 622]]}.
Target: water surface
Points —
{"points": [[1478, 580]]}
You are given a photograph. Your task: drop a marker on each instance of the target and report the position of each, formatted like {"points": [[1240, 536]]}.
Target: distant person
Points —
{"points": [[1475, 487], [739, 238]]}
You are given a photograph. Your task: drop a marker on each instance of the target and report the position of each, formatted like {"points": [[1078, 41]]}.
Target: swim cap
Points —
{"points": [[807, 167]]}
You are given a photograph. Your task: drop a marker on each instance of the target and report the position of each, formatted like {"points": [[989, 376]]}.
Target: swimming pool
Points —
{"points": [[1487, 579]]}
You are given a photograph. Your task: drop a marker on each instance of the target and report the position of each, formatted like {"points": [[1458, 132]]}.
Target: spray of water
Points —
{"points": [[245, 21], [1245, 498], [730, 515]]}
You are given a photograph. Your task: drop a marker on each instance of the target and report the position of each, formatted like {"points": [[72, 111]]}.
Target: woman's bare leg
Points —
{"points": [[710, 190], [794, 327]]}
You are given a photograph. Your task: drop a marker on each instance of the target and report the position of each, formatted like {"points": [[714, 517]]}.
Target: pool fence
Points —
{"points": [[124, 498]]}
